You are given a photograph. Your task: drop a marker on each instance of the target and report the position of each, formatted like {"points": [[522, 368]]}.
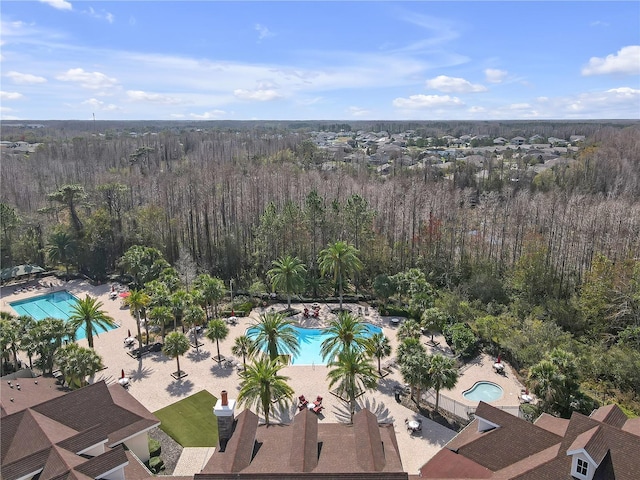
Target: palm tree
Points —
{"points": [[137, 301], [275, 335], [9, 335], [434, 320], [49, 334], [353, 374], [176, 344], [414, 370], [409, 346], [545, 379], [409, 329], [262, 386], [212, 289], [76, 363], [28, 340], [288, 275], [343, 333], [61, 249], [378, 346], [442, 373], [87, 313], [194, 316], [160, 316], [179, 301], [243, 347], [217, 330], [341, 260]]}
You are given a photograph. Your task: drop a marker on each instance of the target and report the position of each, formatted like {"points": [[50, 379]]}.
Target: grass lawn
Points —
{"points": [[191, 421]]}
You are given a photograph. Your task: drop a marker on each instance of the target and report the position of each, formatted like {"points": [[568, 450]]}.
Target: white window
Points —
{"points": [[582, 467]]}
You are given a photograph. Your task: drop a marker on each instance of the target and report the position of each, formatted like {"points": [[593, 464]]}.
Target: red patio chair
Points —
{"points": [[303, 402]]}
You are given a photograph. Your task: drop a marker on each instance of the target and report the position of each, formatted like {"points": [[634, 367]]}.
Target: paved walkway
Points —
{"points": [[192, 460], [153, 385]]}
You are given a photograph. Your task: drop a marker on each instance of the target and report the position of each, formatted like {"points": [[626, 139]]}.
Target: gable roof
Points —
{"points": [[308, 449], [516, 449], [50, 438]]}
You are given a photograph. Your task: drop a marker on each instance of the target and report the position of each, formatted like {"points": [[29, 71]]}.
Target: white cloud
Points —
{"points": [[454, 85], [59, 4], [263, 32], [494, 75], [92, 80], [142, 96], [100, 105], [10, 95], [258, 95], [357, 111], [416, 102], [599, 23], [25, 78], [210, 115], [103, 14], [626, 61]]}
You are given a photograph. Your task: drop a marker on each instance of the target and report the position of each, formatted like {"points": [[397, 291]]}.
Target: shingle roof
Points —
{"points": [[614, 448], [49, 435], [552, 424], [611, 415], [308, 449]]}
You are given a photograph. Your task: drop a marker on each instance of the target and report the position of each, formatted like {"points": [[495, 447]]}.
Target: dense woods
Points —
{"points": [[561, 248]]}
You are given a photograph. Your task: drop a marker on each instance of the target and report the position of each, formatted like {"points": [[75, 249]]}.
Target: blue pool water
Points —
{"points": [[485, 391], [56, 305], [310, 340]]}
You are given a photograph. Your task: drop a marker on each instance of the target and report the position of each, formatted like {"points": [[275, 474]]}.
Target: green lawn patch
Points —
{"points": [[191, 421]]}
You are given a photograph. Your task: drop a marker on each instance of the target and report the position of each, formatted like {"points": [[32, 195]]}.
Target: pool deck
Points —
{"points": [[153, 385]]}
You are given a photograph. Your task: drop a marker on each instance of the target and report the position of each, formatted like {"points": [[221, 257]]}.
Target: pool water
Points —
{"points": [[56, 305], [310, 340], [485, 391]]}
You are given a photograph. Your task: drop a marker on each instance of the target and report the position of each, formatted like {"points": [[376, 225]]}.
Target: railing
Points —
{"points": [[461, 410]]}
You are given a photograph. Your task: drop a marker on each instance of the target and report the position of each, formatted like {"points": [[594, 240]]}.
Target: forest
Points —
{"points": [[549, 262]]}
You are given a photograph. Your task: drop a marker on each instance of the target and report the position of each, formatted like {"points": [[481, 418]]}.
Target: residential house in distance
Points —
{"points": [[497, 445], [48, 433]]}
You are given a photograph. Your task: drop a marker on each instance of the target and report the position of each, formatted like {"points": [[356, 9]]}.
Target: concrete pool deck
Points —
{"points": [[152, 384]]}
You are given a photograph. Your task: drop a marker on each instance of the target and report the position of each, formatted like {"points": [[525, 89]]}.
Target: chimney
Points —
{"points": [[224, 412]]}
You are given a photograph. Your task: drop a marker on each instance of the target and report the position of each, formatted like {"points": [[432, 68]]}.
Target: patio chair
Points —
{"points": [[303, 402], [318, 408]]}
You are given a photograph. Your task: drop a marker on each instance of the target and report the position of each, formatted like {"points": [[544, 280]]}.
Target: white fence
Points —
{"points": [[461, 410]]}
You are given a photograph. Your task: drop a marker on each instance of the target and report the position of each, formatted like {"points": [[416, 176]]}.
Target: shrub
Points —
{"points": [[154, 447], [156, 464]]}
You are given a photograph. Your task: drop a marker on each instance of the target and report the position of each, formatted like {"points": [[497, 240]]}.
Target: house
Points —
{"points": [[305, 449], [497, 445], [49, 433], [518, 140], [499, 141]]}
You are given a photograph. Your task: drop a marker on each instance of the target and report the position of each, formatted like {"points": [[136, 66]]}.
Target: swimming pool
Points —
{"points": [[310, 340], [56, 305], [485, 391]]}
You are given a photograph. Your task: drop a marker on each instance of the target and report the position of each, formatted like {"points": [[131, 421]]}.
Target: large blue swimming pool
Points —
{"points": [[56, 305], [310, 340]]}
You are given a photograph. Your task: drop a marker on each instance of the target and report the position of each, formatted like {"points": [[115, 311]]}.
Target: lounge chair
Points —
{"points": [[303, 402], [318, 408]]}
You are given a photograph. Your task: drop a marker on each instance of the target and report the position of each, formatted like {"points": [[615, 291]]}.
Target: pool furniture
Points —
{"points": [[395, 322], [413, 425], [317, 405], [498, 367], [303, 402]]}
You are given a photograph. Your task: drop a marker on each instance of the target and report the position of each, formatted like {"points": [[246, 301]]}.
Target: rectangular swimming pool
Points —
{"points": [[310, 341], [56, 305]]}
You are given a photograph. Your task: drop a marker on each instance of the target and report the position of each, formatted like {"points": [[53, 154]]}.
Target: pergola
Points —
{"points": [[19, 271]]}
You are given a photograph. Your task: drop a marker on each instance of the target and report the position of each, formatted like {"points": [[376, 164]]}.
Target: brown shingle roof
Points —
{"points": [[447, 464], [552, 424], [610, 414], [614, 448], [304, 445], [30, 393], [368, 442], [500, 447], [101, 464], [339, 450], [47, 436]]}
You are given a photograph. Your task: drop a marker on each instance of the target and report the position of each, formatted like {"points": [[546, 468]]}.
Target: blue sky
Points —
{"points": [[362, 60]]}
